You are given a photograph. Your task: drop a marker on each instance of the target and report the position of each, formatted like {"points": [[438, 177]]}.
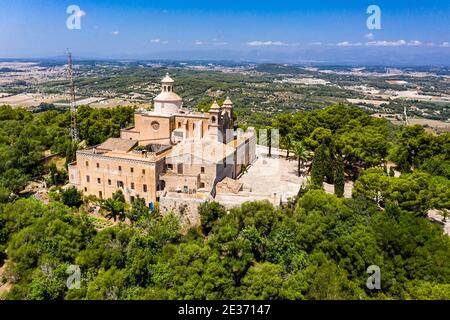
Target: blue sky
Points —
{"points": [[323, 31]]}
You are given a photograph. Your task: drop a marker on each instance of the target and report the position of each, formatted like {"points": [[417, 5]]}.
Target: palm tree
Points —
{"points": [[114, 209], [302, 154], [288, 139]]}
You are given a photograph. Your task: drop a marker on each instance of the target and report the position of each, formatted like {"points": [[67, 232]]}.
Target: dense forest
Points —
{"points": [[317, 246]]}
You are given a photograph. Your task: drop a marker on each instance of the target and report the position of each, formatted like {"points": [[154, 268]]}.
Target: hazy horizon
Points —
{"points": [[412, 33]]}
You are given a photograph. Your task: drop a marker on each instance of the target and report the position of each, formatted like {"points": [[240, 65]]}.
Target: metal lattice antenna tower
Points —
{"points": [[405, 116], [73, 105]]}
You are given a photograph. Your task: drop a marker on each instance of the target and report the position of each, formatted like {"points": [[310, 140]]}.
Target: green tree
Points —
{"points": [[371, 184], [413, 147], [339, 178], [302, 154], [139, 210], [209, 213], [318, 167], [262, 282], [71, 197]]}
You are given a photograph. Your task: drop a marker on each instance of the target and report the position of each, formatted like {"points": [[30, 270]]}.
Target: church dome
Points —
{"points": [[167, 102], [167, 96]]}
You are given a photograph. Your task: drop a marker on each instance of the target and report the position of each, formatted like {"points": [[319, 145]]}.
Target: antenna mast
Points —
{"points": [[406, 116], [73, 105]]}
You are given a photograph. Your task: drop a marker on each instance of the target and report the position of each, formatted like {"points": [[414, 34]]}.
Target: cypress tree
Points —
{"points": [[339, 178], [318, 168], [328, 168]]}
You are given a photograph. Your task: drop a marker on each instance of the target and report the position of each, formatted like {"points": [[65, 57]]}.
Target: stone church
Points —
{"points": [[171, 152]]}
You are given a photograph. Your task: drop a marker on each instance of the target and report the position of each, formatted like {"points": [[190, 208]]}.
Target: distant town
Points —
{"points": [[266, 88]]}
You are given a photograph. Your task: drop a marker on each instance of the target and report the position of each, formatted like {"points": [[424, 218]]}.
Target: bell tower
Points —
{"points": [[228, 109], [167, 83], [167, 102], [214, 121]]}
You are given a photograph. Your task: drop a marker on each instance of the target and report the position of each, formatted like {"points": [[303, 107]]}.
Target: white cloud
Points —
{"points": [[265, 43], [349, 44], [445, 44], [317, 43], [159, 41], [383, 43], [369, 36], [414, 43], [199, 42], [115, 33]]}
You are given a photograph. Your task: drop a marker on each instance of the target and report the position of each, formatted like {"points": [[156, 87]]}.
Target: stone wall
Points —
{"points": [[185, 207]]}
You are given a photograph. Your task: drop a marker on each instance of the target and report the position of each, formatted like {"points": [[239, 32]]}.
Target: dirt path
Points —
{"points": [[4, 287], [436, 216]]}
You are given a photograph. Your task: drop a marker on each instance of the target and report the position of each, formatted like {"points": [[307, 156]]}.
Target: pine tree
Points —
{"points": [[339, 178]]}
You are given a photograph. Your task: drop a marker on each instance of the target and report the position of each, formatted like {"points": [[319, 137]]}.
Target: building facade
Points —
{"points": [[171, 150]]}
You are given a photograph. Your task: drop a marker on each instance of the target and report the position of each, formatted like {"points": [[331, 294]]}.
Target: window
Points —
{"points": [[109, 181], [202, 170], [98, 165], [85, 189], [87, 163], [100, 195], [144, 187], [120, 168], [99, 180], [202, 185], [88, 179], [155, 125], [170, 166], [132, 186], [143, 171], [213, 119], [131, 199], [132, 170], [120, 184]]}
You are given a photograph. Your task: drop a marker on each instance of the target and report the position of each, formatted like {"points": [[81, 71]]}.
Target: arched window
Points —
{"points": [[213, 118], [165, 88]]}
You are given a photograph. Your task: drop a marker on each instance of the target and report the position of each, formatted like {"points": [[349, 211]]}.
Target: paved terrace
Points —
{"points": [[274, 175], [279, 176]]}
